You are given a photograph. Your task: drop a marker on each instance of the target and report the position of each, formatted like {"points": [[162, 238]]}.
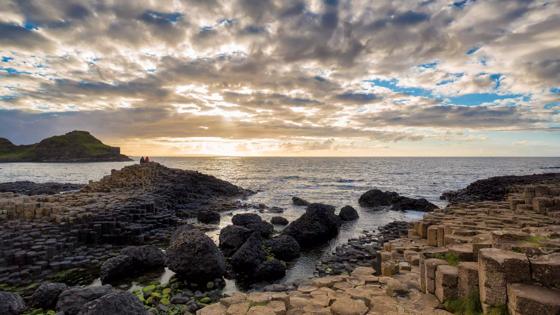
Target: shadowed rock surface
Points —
{"points": [[72, 300], [316, 226], [376, 198], [31, 188], [496, 188], [11, 304], [47, 294], [194, 256], [122, 303], [232, 237], [348, 213]]}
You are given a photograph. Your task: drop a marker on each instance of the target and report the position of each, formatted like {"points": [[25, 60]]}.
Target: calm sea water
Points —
{"points": [[336, 181]]}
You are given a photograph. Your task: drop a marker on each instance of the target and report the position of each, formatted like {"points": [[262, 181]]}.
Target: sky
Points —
{"points": [[285, 77]]}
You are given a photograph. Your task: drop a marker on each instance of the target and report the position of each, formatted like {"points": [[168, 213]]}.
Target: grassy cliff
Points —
{"points": [[75, 146]]}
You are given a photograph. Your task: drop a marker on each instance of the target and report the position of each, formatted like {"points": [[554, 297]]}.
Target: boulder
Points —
{"points": [[147, 256], [116, 268], [299, 202], [72, 300], [254, 223], [232, 237], [208, 216], [376, 198], [120, 302], [283, 247], [249, 256], [348, 213], [46, 295], [243, 219], [279, 220], [194, 256], [269, 270], [316, 226], [11, 304]]}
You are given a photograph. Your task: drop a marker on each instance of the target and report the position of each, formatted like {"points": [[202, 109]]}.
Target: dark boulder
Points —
{"points": [[116, 268], [377, 198], [283, 247], [194, 256], [279, 221], [271, 269], [146, 256], [316, 226], [72, 300], [119, 302], [299, 202], [348, 213], [11, 304], [232, 238], [46, 295], [208, 216], [243, 219], [254, 223], [249, 256]]}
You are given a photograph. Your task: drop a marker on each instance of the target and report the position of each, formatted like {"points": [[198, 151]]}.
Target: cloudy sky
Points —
{"points": [[285, 77]]}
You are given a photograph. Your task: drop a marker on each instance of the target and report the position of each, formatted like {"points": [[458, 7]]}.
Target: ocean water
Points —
{"points": [[335, 181]]}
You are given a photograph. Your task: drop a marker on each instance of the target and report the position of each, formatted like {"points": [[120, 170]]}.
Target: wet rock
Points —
{"points": [[269, 270], [72, 300], [116, 268], [247, 258], [11, 304], [232, 237], [299, 202], [47, 294], [316, 226], [124, 303], [283, 247], [348, 213], [32, 188], [279, 220], [208, 217], [254, 223], [376, 198], [194, 256], [145, 257]]}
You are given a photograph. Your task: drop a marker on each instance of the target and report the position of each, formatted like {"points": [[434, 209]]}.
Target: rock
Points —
{"points": [[348, 306], [283, 247], [249, 256], [194, 256], [116, 268], [243, 219], [531, 299], [212, 309], [232, 237], [46, 295], [299, 202], [254, 223], [147, 256], [31, 188], [11, 304], [269, 270], [72, 300], [124, 303], [348, 213], [377, 198], [316, 226], [279, 220], [208, 217]]}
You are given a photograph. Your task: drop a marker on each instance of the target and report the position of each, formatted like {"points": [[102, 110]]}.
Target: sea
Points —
{"points": [[336, 181]]}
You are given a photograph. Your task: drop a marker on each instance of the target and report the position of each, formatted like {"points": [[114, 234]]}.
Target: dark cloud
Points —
{"points": [[16, 36]]}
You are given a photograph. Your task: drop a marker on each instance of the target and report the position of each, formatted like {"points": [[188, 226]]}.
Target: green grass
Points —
{"points": [[498, 310], [451, 258], [466, 306], [536, 239]]}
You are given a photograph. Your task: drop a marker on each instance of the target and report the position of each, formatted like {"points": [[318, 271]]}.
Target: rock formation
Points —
{"points": [[377, 198]]}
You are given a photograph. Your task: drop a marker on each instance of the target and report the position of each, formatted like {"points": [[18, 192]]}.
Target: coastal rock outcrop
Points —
{"points": [[11, 303], [254, 223], [194, 256], [316, 226], [208, 216], [119, 302], [72, 300], [279, 220], [116, 268], [145, 257], [249, 256], [47, 294], [32, 188], [232, 237], [348, 213], [299, 201], [283, 247], [376, 198], [270, 270]]}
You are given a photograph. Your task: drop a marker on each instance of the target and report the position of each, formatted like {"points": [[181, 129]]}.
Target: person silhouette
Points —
{"points": [[147, 160], [142, 161]]}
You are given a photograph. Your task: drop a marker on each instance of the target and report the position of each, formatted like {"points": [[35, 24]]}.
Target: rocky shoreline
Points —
{"points": [[116, 229]]}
